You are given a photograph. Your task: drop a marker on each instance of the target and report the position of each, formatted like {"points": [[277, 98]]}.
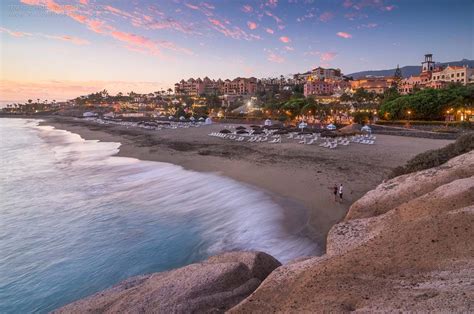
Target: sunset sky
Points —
{"points": [[53, 49]]}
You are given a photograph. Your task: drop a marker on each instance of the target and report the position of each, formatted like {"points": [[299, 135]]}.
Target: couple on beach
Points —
{"points": [[337, 190]]}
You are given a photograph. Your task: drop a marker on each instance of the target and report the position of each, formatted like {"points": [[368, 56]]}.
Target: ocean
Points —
{"points": [[75, 220]]}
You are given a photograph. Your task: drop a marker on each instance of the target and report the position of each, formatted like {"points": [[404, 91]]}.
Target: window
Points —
{"points": [[452, 75], [457, 74], [462, 73]]}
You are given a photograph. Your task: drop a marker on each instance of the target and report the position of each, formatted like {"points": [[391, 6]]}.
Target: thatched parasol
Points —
{"points": [[281, 132], [240, 128], [242, 132], [225, 131]]}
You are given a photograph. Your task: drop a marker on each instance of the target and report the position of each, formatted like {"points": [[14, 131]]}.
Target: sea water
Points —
{"points": [[74, 219]]}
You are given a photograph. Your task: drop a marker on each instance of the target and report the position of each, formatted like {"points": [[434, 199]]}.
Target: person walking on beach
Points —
{"points": [[340, 192], [335, 192]]}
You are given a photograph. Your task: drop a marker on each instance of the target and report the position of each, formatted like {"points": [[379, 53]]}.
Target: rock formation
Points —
{"points": [[405, 246], [214, 285]]}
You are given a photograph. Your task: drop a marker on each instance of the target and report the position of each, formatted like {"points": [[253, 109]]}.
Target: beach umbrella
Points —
{"points": [[366, 128], [201, 119], [268, 122], [225, 131], [182, 118], [240, 128], [242, 132], [192, 118], [208, 120], [170, 117], [331, 127], [302, 125]]}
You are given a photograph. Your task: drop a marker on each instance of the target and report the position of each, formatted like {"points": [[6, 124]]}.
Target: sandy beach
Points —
{"points": [[302, 175]]}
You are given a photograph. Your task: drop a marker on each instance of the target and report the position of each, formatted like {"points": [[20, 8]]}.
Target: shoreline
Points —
{"points": [[292, 174]]}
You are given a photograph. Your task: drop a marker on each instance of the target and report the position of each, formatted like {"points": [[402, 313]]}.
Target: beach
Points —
{"points": [[296, 174]]}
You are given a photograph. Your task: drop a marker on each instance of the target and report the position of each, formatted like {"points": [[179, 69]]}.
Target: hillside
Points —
{"points": [[408, 70]]}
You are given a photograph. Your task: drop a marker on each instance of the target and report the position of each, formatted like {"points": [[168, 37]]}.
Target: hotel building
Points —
{"points": [[436, 77]]}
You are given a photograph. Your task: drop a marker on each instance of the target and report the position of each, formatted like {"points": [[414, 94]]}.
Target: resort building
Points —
{"points": [[435, 77], [190, 87], [376, 85], [454, 74], [324, 87], [320, 73], [240, 86], [196, 87]]}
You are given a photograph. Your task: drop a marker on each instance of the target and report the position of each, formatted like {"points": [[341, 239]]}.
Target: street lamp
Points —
{"points": [[409, 115]]}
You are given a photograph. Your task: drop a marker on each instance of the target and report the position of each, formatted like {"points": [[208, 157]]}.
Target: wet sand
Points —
{"points": [[301, 174]]}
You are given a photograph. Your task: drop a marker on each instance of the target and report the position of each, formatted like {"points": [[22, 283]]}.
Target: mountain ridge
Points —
{"points": [[408, 70]]}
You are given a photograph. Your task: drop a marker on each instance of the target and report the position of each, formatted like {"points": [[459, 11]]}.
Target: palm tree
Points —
{"points": [[170, 91]]}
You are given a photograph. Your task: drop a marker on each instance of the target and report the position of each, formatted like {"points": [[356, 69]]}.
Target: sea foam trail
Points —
{"points": [[233, 216], [75, 219]]}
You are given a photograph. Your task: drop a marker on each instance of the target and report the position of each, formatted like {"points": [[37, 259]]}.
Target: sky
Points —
{"points": [[58, 49]]}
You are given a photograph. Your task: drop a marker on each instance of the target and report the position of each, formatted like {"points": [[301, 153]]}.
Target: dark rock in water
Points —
{"points": [[214, 285]]}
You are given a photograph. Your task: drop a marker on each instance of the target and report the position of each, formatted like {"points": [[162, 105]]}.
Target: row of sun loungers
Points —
{"points": [[148, 125], [305, 139]]}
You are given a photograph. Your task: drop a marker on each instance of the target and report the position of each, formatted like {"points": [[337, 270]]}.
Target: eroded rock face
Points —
{"points": [[214, 285], [415, 253], [399, 190]]}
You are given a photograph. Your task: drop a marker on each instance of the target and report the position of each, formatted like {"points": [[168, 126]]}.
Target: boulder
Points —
{"points": [[214, 285]]}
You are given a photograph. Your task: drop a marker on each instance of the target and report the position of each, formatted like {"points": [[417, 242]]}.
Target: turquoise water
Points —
{"points": [[75, 220]]}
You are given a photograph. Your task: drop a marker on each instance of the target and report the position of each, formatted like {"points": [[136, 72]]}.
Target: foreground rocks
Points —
{"points": [[214, 285], [405, 246]]}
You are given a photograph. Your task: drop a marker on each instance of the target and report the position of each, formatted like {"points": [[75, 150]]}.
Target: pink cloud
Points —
{"points": [[71, 39], [269, 30], [285, 39], [271, 3], [130, 41], [208, 5], [235, 32], [361, 4], [355, 15], [347, 3], [252, 25], [388, 8], [272, 57], [328, 56], [289, 48], [14, 33], [276, 18], [84, 2], [344, 35], [247, 8], [326, 17], [191, 6], [368, 25]]}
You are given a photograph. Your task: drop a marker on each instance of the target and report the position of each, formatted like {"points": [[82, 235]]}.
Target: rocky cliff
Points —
{"points": [[405, 246]]}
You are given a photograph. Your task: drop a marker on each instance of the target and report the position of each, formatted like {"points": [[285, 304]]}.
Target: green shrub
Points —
{"points": [[436, 157]]}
